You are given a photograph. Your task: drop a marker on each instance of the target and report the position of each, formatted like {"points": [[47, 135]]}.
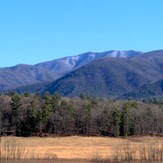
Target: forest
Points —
{"points": [[49, 115]]}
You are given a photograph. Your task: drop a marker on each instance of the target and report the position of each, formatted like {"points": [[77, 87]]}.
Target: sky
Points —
{"points": [[33, 31]]}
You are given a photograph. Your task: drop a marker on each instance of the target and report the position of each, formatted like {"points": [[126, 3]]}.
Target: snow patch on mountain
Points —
{"points": [[72, 62]]}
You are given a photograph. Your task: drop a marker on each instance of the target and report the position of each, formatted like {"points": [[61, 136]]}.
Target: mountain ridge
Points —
{"points": [[24, 74], [117, 75], [114, 74]]}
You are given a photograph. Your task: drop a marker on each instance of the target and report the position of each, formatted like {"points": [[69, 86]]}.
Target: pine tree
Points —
{"points": [[116, 121]]}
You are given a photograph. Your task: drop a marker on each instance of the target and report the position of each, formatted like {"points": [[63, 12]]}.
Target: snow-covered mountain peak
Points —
{"points": [[72, 62], [122, 54]]}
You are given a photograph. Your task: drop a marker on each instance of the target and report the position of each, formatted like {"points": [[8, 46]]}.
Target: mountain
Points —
{"points": [[147, 91], [73, 62], [154, 62], [23, 75], [111, 77]]}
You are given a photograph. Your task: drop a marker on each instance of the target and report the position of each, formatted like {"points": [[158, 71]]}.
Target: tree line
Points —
{"points": [[28, 115]]}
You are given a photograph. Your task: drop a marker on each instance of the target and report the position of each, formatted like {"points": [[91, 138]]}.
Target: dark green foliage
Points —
{"points": [[116, 116], [15, 104], [104, 123], [16, 111], [127, 126], [52, 114], [83, 116]]}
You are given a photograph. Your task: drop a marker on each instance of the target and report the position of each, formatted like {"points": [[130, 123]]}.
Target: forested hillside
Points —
{"points": [[113, 74], [25, 75], [27, 115], [110, 77]]}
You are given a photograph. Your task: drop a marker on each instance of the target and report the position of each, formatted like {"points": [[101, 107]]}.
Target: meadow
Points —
{"points": [[81, 149], [52, 128]]}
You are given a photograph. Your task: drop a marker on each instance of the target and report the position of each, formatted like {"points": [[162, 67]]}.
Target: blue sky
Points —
{"points": [[32, 31]]}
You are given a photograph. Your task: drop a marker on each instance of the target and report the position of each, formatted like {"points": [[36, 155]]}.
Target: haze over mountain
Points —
{"points": [[23, 75]]}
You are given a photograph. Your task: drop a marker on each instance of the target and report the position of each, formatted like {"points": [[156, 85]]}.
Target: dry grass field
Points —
{"points": [[72, 148]]}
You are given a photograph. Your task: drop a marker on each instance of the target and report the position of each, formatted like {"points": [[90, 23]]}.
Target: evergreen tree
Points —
{"points": [[16, 106], [127, 126], [116, 116]]}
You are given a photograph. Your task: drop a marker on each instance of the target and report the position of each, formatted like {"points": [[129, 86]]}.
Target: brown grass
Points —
{"points": [[74, 148]]}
